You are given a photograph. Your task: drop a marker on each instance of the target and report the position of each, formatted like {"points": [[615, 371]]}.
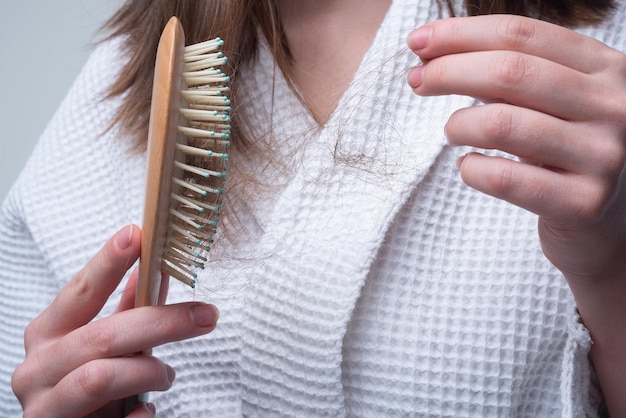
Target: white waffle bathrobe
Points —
{"points": [[372, 282]]}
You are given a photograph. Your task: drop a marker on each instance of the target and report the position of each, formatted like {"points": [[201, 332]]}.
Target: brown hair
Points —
{"points": [[570, 13], [237, 21]]}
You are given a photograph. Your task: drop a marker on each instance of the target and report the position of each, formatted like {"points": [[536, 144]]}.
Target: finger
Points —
{"points": [[511, 77], [544, 192], [142, 410], [529, 135], [84, 296], [512, 33], [126, 333], [127, 301], [97, 383]]}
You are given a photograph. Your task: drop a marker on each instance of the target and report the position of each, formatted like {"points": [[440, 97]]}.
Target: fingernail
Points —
{"points": [[151, 407], [415, 76], [171, 373], [204, 315], [125, 237], [459, 161], [418, 39]]}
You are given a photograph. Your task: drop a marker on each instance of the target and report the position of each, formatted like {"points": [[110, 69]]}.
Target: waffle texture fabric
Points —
{"points": [[370, 282]]}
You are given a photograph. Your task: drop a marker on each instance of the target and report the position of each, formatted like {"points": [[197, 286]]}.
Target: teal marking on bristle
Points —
{"points": [[215, 113], [226, 117], [209, 153], [198, 227], [219, 54], [225, 60], [204, 193], [226, 100], [227, 144], [201, 210], [193, 284], [226, 79], [198, 242]]}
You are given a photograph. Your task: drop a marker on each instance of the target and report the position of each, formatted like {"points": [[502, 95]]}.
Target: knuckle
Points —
{"points": [[167, 324], [498, 123], [31, 333], [613, 160], [611, 94], [516, 32], [21, 380], [614, 60], [589, 201], [612, 105], [500, 180], [79, 286], [455, 31], [100, 338], [95, 379], [27, 380], [511, 71]]}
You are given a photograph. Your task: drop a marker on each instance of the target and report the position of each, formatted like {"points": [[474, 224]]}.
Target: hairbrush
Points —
{"points": [[188, 138]]}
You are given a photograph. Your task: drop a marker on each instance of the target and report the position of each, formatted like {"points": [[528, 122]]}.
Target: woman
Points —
{"points": [[358, 275]]}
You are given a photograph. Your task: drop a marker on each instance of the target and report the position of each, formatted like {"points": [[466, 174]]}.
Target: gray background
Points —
{"points": [[44, 45]]}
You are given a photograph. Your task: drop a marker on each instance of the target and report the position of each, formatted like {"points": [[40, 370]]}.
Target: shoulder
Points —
{"points": [[79, 183]]}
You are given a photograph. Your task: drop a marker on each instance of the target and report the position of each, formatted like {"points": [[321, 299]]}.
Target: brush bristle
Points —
{"points": [[201, 162]]}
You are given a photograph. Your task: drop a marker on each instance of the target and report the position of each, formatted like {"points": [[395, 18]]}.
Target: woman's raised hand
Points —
{"points": [[557, 100], [76, 366]]}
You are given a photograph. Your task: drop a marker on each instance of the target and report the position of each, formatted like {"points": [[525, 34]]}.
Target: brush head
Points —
{"points": [[188, 142]]}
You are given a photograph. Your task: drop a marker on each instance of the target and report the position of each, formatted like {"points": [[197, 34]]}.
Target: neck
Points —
{"points": [[328, 39]]}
